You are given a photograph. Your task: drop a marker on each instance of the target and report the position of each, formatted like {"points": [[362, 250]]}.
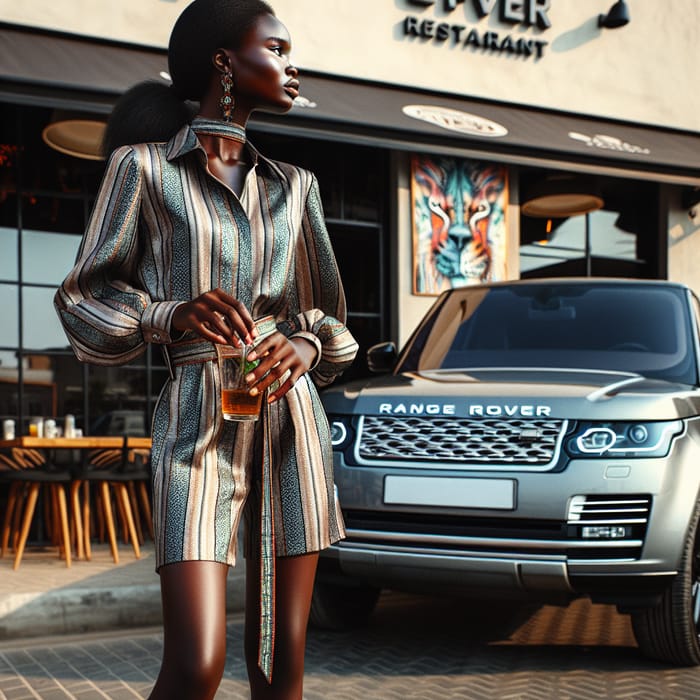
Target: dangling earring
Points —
{"points": [[226, 101]]}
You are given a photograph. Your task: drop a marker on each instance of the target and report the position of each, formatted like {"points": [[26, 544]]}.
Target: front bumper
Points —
{"points": [[531, 550]]}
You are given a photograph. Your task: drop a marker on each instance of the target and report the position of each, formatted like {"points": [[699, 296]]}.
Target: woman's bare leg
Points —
{"points": [[294, 577], [194, 625]]}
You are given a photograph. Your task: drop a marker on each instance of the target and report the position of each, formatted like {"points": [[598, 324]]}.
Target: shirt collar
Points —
{"points": [[186, 141], [217, 127]]}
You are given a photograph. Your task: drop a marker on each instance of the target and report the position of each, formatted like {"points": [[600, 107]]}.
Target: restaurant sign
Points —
{"points": [[527, 13]]}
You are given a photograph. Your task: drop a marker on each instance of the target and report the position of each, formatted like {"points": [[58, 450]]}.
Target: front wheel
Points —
{"points": [[336, 606], [670, 631]]}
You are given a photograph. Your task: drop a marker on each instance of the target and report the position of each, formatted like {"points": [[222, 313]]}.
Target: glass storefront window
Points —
{"points": [[9, 303], [609, 241], [40, 323], [8, 254], [622, 235], [39, 375], [47, 257], [568, 242]]}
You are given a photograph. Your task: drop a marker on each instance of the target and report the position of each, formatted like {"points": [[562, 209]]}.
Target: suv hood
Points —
{"points": [[517, 393]]}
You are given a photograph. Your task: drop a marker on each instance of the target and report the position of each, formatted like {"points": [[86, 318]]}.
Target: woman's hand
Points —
{"points": [[279, 354], [216, 316]]}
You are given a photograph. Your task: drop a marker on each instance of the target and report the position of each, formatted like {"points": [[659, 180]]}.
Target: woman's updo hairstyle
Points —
{"points": [[152, 111]]}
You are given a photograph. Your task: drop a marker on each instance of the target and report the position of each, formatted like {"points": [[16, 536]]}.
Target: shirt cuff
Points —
{"points": [[314, 339], [156, 321]]}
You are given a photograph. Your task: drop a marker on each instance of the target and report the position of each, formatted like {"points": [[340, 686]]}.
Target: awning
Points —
{"points": [[33, 57], [368, 112], [436, 119]]}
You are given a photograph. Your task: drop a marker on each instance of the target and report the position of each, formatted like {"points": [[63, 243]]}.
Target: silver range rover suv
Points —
{"points": [[539, 440]]}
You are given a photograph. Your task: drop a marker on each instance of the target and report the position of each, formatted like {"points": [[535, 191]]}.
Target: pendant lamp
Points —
{"points": [[560, 196], [75, 135]]}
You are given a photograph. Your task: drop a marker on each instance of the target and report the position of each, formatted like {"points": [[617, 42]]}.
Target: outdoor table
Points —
{"points": [[97, 442]]}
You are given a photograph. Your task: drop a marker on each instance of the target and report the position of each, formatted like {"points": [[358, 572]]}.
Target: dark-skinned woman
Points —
{"points": [[195, 237]]}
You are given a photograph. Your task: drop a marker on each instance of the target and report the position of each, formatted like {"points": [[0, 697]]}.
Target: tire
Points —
{"points": [[335, 606], [670, 631]]}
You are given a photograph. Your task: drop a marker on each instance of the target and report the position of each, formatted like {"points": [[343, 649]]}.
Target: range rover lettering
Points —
{"points": [[535, 440]]}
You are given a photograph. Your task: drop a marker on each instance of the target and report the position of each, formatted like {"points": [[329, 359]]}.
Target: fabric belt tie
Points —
{"points": [[198, 351], [266, 644]]}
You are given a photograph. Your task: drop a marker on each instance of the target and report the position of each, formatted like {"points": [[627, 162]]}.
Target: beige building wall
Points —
{"points": [[410, 307], [645, 72]]}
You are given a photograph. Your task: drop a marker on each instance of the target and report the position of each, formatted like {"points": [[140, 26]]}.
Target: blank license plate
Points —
{"points": [[450, 492]]}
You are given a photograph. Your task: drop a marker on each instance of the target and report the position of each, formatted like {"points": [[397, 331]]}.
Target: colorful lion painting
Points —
{"points": [[459, 229]]}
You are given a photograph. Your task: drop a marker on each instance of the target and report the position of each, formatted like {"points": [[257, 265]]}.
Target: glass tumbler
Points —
{"points": [[236, 401]]}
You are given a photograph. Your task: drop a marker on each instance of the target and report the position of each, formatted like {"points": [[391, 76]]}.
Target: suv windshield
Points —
{"points": [[627, 327]]}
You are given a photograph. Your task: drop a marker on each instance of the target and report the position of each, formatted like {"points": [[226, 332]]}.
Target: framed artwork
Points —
{"points": [[458, 222]]}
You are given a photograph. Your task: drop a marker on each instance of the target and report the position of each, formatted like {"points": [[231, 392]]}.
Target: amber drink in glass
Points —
{"points": [[236, 401]]}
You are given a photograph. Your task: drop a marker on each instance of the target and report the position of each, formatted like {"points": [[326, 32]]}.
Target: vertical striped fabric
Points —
{"points": [[164, 231]]}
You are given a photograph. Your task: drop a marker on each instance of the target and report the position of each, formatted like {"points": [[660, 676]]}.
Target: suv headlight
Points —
{"points": [[624, 440], [341, 431]]}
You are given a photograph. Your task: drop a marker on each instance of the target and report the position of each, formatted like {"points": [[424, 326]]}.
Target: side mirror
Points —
{"points": [[381, 357]]}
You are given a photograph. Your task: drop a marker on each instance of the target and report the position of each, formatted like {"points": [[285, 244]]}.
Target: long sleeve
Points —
{"points": [[105, 314], [321, 297]]}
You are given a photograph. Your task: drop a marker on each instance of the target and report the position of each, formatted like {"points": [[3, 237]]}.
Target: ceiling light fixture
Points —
{"points": [[75, 135], [560, 196]]}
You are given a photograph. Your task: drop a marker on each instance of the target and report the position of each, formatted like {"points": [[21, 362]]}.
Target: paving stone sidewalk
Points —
{"points": [[413, 649]]}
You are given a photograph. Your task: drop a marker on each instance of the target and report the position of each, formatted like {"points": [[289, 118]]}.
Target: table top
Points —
{"points": [[85, 443]]}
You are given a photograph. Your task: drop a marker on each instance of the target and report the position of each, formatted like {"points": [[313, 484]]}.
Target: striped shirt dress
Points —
{"points": [[163, 231]]}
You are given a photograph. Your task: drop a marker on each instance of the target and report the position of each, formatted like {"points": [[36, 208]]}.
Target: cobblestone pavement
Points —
{"points": [[413, 648]]}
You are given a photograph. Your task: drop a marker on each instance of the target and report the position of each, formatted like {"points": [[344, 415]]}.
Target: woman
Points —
{"points": [[194, 235]]}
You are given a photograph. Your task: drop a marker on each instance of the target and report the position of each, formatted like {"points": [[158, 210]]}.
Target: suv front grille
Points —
{"points": [[489, 441]]}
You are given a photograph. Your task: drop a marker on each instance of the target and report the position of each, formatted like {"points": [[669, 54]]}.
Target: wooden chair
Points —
{"points": [[27, 470], [139, 479], [117, 475]]}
